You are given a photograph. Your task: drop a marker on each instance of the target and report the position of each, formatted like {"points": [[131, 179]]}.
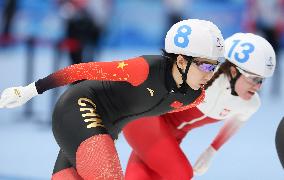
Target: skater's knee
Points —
{"points": [[96, 158]]}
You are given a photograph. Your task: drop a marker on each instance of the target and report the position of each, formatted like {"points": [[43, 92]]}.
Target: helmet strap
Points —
{"points": [[184, 86], [233, 83]]}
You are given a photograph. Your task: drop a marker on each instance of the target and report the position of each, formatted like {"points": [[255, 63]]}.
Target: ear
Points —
{"points": [[181, 62], [233, 71]]}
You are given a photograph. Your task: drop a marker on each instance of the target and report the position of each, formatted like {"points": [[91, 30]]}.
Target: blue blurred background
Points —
{"points": [[39, 37]]}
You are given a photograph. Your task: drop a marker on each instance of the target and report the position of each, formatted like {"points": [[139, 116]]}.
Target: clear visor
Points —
{"points": [[252, 78]]}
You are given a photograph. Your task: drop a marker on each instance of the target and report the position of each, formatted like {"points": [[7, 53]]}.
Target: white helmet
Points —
{"points": [[196, 38], [251, 52]]}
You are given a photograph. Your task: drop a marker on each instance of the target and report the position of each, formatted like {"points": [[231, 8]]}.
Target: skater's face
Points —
{"points": [[247, 84], [200, 71]]}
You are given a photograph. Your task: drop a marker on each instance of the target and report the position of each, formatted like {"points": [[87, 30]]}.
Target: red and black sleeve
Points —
{"points": [[135, 71]]}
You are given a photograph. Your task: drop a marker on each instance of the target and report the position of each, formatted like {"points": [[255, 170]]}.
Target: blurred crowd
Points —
{"points": [[83, 28]]}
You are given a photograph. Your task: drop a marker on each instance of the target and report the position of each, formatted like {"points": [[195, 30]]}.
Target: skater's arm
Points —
{"points": [[134, 71], [232, 125], [230, 128], [227, 131]]}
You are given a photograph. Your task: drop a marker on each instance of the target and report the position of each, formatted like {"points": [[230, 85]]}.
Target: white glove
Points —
{"points": [[17, 96], [203, 162]]}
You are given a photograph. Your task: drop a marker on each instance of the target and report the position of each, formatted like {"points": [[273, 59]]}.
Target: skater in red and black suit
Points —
{"points": [[89, 115]]}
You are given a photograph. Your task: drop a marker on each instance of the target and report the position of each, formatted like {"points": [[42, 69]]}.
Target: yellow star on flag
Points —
{"points": [[121, 65]]}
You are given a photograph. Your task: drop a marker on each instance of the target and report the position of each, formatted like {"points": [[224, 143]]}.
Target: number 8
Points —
{"points": [[183, 35]]}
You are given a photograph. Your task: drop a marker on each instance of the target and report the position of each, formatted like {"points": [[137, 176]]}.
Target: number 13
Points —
{"points": [[248, 48]]}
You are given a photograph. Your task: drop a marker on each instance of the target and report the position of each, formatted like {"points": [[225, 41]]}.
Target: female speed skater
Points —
{"points": [[89, 115], [280, 142], [231, 95]]}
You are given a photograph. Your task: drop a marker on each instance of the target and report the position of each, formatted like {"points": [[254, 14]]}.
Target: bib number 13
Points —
{"points": [[242, 56], [181, 38]]}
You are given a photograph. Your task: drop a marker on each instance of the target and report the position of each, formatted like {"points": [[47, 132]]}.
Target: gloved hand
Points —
{"points": [[203, 162], [17, 96]]}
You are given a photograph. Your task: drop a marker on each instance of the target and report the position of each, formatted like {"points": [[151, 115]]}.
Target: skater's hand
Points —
{"points": [[204, 160], [17, 96]]}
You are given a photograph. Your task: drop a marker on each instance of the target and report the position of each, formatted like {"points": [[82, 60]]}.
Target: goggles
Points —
{"points": [[205, 66], [252, 78]]}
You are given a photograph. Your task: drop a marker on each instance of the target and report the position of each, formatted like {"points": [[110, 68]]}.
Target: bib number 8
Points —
{"points": [[182, 33]]}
